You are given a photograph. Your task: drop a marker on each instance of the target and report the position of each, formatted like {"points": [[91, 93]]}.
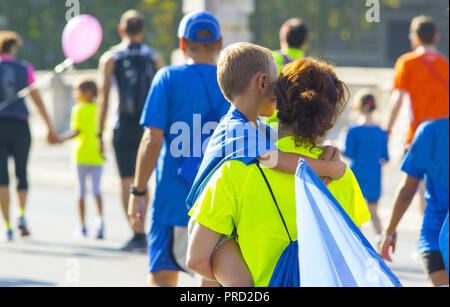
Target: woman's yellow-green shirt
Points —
{"points": [[237, 197]]}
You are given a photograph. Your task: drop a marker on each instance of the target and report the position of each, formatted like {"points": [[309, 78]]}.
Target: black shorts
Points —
{"points": [[126, 143], [433, 262], [15, 142]]}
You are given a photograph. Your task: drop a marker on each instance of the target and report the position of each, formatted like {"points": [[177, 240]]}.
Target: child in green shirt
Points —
{"points": [[86, 151]]}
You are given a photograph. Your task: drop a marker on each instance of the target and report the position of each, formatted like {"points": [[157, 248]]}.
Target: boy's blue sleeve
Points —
{"points": [[249, 143], [156, 109], [417, 159]]}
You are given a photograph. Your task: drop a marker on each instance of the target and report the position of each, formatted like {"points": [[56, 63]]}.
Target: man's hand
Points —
{"points": [[136, 205], [386, 244]]}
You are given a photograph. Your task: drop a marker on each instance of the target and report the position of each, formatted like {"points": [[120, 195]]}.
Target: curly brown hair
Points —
{"points": [[310, 99]]}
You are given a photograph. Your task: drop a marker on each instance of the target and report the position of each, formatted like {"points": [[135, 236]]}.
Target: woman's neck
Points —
{"points": [[284, 131]]}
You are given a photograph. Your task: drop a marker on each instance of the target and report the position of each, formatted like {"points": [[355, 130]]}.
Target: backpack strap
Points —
{"points": [[286, 59], [274, 199], [434, 72]]}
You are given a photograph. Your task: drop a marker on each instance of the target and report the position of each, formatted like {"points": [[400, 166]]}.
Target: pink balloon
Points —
{"points": [[81, 38]]}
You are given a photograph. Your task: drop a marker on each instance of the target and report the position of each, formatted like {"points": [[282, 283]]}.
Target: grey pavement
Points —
{"points": [[54, 257]]}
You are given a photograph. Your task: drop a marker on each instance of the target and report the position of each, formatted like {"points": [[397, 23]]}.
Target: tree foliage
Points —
{"points": [[41, 23]]}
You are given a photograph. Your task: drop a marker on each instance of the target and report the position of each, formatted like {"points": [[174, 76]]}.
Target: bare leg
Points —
{"points": [[373, 208], [209, 283], [82, 211], [22, 198], [439, 279], [229, 266], [163, 279], [99, 201], [4, 203]]}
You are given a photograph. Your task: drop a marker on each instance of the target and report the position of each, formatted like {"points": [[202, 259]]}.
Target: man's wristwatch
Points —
{"points": [[135, 192]]}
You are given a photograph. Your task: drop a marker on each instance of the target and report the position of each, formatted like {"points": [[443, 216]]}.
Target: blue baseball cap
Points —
{"points": [[195, 22]]}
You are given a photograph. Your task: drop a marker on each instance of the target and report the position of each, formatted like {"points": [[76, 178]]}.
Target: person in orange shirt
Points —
{"points": [[423, 74]]}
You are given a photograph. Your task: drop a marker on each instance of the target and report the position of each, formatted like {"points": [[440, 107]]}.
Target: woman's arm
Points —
{"points": [[37, 99]]}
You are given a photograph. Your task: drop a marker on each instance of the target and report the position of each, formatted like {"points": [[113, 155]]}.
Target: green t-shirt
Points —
{"points": [[291, 53], [84, 119], [237, 197]]}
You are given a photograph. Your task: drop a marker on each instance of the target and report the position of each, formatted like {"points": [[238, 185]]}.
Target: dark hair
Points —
{"points": [[310, 99], [207, 47], [87, 86], [425, 28], [133, 22], [9, 40], [294, 32], [367, 103]]}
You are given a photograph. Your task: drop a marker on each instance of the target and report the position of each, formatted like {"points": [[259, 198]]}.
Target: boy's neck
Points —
{"points": [[248, 106], [201, 59]]}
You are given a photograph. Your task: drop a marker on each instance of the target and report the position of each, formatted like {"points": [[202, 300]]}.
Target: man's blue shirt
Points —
{"points": [[182, 99]]}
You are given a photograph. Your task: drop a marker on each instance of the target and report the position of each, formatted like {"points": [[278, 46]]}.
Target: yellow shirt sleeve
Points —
{"points": [[216, 206], [348, 193]]}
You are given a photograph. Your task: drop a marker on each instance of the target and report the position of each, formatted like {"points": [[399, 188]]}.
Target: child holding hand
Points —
{"points": [[86, 152]]}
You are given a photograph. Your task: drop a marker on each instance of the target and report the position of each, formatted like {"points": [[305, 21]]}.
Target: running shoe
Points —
{"points": [[100, 230], [84, 232], [138, 244], [9, 235], [23, 227]]}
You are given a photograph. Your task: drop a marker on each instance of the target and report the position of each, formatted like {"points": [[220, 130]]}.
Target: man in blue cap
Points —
{"points": [[183, 107]]}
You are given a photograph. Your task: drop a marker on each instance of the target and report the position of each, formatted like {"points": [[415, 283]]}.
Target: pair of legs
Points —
{"points": [[95, 172], [126, 143], [15, 142]]}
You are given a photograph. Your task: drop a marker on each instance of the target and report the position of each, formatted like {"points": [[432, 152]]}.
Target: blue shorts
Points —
{"points": [[431, 229], [371, 189], [167, 248]]}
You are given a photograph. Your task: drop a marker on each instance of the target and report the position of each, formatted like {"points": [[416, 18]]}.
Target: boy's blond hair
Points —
{"points": [[238, 64], [9, 40]]}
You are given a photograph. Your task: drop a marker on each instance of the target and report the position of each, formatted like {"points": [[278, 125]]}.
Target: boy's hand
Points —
{"points": [[330, 153]]}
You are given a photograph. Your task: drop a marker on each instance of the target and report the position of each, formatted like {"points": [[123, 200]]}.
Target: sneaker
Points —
{"points": [[9, 235], [84, 232], [100, 230], [138, 244], [22, 225]]}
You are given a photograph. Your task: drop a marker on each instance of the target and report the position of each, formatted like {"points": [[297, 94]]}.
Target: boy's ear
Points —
{"points": [[261, 81], [182, 44], [121, 31]]}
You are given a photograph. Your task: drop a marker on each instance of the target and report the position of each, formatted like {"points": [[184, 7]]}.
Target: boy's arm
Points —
{"points": [[288, 162], [201, 246]]}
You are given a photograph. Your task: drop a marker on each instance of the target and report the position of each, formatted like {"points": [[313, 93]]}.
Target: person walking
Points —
{"points": [[15, 136], [130, 66]]}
